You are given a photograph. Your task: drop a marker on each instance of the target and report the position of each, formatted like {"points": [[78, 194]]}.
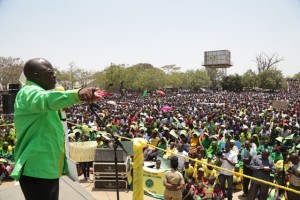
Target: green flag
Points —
{"points": [[144, 94]]}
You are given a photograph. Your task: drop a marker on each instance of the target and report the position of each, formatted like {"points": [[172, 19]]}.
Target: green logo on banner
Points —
{"points": [[149, 183]]}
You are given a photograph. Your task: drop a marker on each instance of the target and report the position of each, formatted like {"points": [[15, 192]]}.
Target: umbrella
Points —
{"points": [[166, 108], [112, 103], [160, 92]]}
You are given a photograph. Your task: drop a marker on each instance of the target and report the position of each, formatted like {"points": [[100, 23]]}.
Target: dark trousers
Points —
{"points": [[39, 188], [246, 181], [292, 195], [3, 174], [263, 192], [86, 169], [222, 179]]}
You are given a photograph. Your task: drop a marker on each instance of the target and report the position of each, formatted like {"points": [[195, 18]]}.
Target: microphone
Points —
{"points": [[94, 105]]}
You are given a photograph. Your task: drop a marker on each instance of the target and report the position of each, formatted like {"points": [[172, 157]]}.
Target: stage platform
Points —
{"points": [[68, 190]]}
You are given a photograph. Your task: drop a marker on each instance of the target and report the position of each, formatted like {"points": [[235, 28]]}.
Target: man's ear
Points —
{"points": [[36, 75]]}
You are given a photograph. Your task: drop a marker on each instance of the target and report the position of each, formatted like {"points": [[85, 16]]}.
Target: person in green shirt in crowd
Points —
{"points": [[263, 146], [39, 152], [276, 155], [257, 129], [245, 135], [4, 153], [213, 148], [77, 135], [206, 141]]}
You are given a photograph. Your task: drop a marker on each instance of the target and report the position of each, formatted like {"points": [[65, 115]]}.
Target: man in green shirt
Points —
{"points": [[39, 151], [276, 154]]}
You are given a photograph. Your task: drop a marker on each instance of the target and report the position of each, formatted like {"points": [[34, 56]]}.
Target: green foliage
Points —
{"points": [[176, 80], [271, 79], [114, 75], [297, 76], [98, 79], [64, 79], [74, 77], [196, 79], [232, 83], [249, 79], [145, 76]]}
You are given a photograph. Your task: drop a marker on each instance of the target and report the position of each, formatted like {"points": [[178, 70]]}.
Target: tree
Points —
{"points": [[63, 78], [232, 83], [98, 79], [249, 79], [73, 72], [271, 79], [151, 79], [143, 76], [73, 77], [196, 79], [114, 75], [84, 77], [10, 70], [176, 80], [169, 69], [297, 76], [265, 62], [216, 75]]}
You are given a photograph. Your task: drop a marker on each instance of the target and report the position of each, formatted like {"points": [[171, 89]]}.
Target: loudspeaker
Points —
{"points": [[13, 88], [109, 169], [8, 101], [110, 184], [108, 155]]}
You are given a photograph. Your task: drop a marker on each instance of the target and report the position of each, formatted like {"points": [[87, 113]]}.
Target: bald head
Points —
{"points": [[294, 158], [247, 144], [265, 154], [32, 67], [41, 72]]}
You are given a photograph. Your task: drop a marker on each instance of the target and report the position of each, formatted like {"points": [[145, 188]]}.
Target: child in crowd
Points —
{"points": [[188, 192], [199, 192], [217, 193]]}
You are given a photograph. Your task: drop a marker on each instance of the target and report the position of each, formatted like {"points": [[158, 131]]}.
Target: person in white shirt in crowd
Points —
{"points": [[181, 159], [294, 172], [227, 161]]}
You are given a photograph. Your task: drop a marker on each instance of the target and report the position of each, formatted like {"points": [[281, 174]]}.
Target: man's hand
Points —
{"points": [[267, 169], [90, 94], [224, 158]]}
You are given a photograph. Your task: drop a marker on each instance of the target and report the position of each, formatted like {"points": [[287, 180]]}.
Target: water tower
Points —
{"points": [[216, 64]]}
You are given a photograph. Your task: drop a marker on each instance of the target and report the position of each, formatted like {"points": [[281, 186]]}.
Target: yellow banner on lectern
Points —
{"points": [[153, 182], [83, 151]]}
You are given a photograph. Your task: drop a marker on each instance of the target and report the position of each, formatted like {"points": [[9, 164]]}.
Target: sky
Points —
{"points": [[95, 33]]}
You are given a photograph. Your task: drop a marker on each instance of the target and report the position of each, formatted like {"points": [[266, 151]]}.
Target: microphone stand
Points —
{"points": [[116, 143]]}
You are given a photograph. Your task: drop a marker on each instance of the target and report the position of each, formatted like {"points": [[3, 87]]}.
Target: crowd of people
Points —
{"points": [[240, 132]]}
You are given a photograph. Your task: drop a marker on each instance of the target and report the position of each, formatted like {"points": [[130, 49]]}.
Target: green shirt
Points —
{"points": [[275, 157], [206, 143], [261, 148], [40, 151]]}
